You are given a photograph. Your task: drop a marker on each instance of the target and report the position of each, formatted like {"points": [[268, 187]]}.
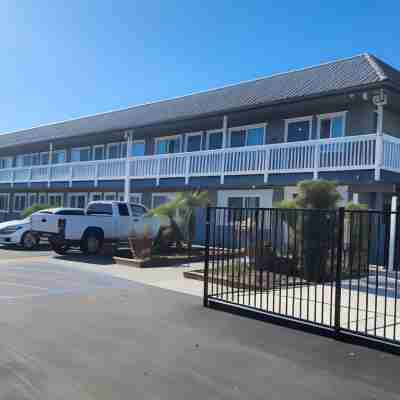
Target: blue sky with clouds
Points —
{"points": [[65, 59]]}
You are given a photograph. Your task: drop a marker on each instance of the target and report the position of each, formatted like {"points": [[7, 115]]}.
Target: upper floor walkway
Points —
{"points": [[348, 153]]}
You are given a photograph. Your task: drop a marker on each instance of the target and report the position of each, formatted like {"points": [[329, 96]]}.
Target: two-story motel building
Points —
{"points": [[247, 144]]}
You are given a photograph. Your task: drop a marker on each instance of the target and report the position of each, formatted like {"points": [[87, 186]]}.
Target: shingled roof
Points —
{"points": [[359, 71]]}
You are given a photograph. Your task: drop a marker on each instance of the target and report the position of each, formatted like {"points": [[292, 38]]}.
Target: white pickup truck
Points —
{"points": [[102, 221]]}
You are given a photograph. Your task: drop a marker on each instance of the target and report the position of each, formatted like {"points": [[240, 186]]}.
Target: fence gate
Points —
{"points": [[320, 268]]}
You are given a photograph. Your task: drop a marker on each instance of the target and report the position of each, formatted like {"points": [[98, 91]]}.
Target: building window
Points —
{"points": [[331, 125], [77, 200], [59, 157], [116, 150], [42, 198], [98, 152], [168, 145], [4, 201], [214, 140], [32, 199], [5, 162], [56, 200], [298, 129], [44, 158], [19, 202], [138, 148], [247, 136], [244, 202], [80, 154], [194, 142], [135, 198]]}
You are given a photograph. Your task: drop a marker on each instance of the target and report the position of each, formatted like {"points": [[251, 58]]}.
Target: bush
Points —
{"points": [[27, 212]]}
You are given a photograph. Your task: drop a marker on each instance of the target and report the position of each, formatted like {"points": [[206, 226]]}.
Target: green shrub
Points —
{"points": [[27, 212]]}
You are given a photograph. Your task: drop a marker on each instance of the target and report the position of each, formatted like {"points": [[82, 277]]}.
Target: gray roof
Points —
{"points": [[358, 71]]}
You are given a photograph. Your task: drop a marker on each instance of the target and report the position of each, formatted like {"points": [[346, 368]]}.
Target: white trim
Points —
{"points": [[299, 119], [210, 132], [81, 148], [98, 146], [320, 117], [158, 139], [190, 134], [135, 142], [246, 129]]}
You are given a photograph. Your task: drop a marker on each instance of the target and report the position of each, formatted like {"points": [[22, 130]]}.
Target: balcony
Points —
{"points": [[339, 154]]}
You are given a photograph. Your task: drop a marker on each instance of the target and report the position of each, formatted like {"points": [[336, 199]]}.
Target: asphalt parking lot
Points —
{"points": [[71, 332]]}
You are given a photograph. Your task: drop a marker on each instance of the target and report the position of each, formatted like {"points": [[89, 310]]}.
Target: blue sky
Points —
{"points": [[65, 59]]}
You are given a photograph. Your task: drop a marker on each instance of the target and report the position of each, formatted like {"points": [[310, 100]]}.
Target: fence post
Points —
{"points": [[207, 257], [338, 277]]}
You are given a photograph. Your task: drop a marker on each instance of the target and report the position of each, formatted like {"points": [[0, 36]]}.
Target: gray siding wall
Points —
{"points": [[391, 122]]}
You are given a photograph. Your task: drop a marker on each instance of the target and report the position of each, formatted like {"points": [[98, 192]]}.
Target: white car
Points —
{"points": [[18, 232]]}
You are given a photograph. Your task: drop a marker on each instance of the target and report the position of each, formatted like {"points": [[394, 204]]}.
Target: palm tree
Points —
{"points": [[183, 206]]}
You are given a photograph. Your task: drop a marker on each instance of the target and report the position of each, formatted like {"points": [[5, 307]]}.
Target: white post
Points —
{"points": [[379, 100], [356, 198], [316, 161], [50, 162], [128, 136], [224, 145], [392, 241]]}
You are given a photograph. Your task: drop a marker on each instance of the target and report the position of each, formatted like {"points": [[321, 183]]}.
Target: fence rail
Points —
{"points": [[328, 268], [346, 153]]}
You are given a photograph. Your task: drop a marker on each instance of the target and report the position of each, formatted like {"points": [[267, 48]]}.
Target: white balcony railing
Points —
{"points": [[347, 153]]}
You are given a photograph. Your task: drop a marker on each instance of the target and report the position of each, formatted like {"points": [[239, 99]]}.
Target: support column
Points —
{"points": [[379, 100], [224, 145], [127, 189], [392, 241], [50, 162], [356, 199]]}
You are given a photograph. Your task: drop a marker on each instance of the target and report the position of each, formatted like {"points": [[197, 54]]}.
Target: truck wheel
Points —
{"points": [[60, 249], [91, 243], [29, 241]]}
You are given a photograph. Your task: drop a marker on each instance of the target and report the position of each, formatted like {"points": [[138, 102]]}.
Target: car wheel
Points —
{"points": [[60, 249], [91, 243], [29, 241]]}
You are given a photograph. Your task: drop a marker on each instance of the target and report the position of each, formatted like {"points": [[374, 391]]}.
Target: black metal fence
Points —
{"points": [[318, 267]]}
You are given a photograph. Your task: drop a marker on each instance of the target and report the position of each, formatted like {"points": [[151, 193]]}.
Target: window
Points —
{"points": [[98, 152], [138, 148], [5, 162], [110, 197], [80, 154], [159, 199], [137, 210], [116, 150], [32, 199], [168, 145], [135, 198], [194, 142], [44, 158], [96, 196], [56, 200], [298, 129], [70, 212], [123, 210], [4, 201], [58, 157], [99, 209], [251, 136], [77, 200], [19, 202], [35, 159], [42, 199], [214, 140], [244, 202], [331, 125]]}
